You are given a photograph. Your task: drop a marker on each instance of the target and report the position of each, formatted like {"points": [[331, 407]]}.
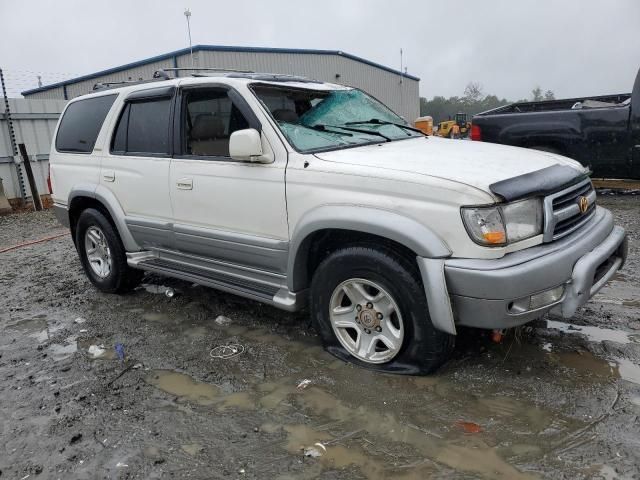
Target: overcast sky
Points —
{"points": [[573, 47]]}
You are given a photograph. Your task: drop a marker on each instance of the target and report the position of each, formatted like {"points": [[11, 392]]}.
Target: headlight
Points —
{"points": [[502, 224]]}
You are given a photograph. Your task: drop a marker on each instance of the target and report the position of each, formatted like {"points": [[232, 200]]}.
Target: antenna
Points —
{"points": [[187, 14]]}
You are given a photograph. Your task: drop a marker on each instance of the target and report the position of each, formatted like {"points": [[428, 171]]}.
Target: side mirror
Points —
{"points": [[245, 145]]}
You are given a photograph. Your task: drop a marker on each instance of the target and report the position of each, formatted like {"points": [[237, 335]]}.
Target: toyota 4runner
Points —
{"points": [[301, 193]]}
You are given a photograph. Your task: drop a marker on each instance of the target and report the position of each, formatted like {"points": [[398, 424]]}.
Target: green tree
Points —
{"points": [[536, 94], [474, 101]]}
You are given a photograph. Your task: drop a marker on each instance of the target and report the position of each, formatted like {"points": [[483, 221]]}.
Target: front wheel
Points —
{"points": [[369, 306], [102, 254]]}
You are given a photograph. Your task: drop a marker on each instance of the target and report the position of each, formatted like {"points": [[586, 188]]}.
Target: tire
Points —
{"points": [[417, 348], [107, 268], [451, 135]]}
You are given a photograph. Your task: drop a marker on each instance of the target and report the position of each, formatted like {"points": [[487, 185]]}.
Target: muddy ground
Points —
{"points": [[551, 401]]}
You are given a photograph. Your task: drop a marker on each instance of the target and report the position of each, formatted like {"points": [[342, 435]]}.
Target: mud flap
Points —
{"points": [[435, 289]]}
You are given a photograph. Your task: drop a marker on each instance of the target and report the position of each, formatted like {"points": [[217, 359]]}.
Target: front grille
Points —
{"points": [[562, 210]]}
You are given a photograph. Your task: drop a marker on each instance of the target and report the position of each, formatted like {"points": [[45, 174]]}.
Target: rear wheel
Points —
{"points": [[102, 254], [369, 306]]}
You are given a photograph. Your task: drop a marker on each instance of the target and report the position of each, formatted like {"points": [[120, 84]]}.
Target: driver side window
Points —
{"points": [[209, 119]]}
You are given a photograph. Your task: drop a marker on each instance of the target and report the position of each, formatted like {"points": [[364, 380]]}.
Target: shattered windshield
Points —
{"points": [[314, 120]]}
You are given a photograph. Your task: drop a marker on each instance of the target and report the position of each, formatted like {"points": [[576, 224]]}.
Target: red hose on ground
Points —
{"points": [[33, 242]]}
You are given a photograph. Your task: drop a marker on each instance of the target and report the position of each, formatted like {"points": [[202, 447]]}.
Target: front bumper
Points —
{"points": [[491, 293]]}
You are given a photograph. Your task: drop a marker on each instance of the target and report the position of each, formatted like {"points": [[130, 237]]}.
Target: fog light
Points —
{"points": [[543, 299]]}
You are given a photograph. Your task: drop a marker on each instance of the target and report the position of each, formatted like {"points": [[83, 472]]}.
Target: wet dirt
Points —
{"points": [[553, 400]]}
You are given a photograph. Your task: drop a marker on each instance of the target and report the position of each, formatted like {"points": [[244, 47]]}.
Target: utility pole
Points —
{"points": [[401, 87], [187, 14], [12, 138]]}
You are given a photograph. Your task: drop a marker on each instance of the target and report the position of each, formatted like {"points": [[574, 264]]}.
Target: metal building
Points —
{"points": [[396, 89], [33, 122]]}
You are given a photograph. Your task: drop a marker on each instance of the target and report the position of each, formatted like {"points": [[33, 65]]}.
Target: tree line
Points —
{"points": [[473, 101]]}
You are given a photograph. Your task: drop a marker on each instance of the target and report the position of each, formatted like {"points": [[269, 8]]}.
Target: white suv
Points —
{"points": [[283, 190]]}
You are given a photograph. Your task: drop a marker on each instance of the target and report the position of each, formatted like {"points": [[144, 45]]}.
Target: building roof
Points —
{"points": [[216, 48]]}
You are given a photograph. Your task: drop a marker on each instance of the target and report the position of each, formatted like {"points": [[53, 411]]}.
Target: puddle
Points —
{"points": [[60, 352], [183, 386], [594, 334], [192, 449], [155, 317], [628, 370], [385, 434]]}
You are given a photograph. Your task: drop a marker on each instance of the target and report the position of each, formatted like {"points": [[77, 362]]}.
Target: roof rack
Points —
{"points": [[162, 73], [109, 85]]}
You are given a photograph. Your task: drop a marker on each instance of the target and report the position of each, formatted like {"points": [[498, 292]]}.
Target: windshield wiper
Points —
{"points": [[323, 128], [361, 130], [377, 121]]}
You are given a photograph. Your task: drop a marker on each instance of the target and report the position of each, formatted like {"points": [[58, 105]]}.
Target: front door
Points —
{"points": [[223, 209]]}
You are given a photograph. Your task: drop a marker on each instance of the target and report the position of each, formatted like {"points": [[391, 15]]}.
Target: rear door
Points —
{"points": [[136, 167], [224, 209]]}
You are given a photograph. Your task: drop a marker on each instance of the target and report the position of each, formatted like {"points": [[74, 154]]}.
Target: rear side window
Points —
{"points": [[81, 124], [143, 128]]}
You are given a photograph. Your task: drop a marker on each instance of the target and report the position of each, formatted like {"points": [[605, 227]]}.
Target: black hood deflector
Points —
{"points": [[538, 183]]}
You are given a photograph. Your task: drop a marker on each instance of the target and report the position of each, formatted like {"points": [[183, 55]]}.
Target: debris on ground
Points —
{"points": [[79, 320], [223, 321], [303, 384], [317, 450], [468, 427], [226, 351], [170, 293], [119, 348], [96, 350]]}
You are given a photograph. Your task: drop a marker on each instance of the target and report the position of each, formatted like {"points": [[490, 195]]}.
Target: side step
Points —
{"points": [[243, 287]]}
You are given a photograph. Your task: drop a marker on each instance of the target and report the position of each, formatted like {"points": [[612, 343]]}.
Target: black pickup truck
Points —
{"points": [[602, 133]]}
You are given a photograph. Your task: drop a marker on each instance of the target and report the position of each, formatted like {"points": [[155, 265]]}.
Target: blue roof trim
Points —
{"points": [[215, 48]]}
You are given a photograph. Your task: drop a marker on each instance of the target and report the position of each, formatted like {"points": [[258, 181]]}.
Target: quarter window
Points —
{"points": [[143, 128], [81, 124]]}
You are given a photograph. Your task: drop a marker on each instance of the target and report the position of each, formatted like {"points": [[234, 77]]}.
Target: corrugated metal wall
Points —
{"points": [[399, 93], [34, 122]]}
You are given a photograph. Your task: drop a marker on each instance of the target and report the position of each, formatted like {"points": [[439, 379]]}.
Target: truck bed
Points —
{"points": [[554, 105]]}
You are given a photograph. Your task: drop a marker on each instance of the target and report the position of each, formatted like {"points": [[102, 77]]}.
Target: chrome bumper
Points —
{"points": [[496, 293]]}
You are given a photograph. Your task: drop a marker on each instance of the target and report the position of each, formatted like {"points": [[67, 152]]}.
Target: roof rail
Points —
{"points": [[109, 85], [162, 73]]}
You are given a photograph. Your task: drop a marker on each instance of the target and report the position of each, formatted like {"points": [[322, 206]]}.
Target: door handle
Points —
{"points": [[185, 184], [109, 176]]}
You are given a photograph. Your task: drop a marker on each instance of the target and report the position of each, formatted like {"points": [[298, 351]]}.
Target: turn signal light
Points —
{"points": [[494, 238]]}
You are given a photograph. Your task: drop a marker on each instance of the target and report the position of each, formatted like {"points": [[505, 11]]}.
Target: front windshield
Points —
{"points": [[315, 120]]}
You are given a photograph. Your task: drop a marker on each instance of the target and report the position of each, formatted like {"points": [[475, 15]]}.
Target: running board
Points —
{"points": [[276, 295]]}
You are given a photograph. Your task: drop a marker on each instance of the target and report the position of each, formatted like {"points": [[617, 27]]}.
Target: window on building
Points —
{"points": [[143, 128], [209, 119], [81, 124]]}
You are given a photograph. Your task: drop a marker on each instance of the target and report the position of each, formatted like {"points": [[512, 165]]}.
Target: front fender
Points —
{"points": [[383, 223]]}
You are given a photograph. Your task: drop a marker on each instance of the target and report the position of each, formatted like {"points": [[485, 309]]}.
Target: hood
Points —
{"points": [[476, 164]]}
